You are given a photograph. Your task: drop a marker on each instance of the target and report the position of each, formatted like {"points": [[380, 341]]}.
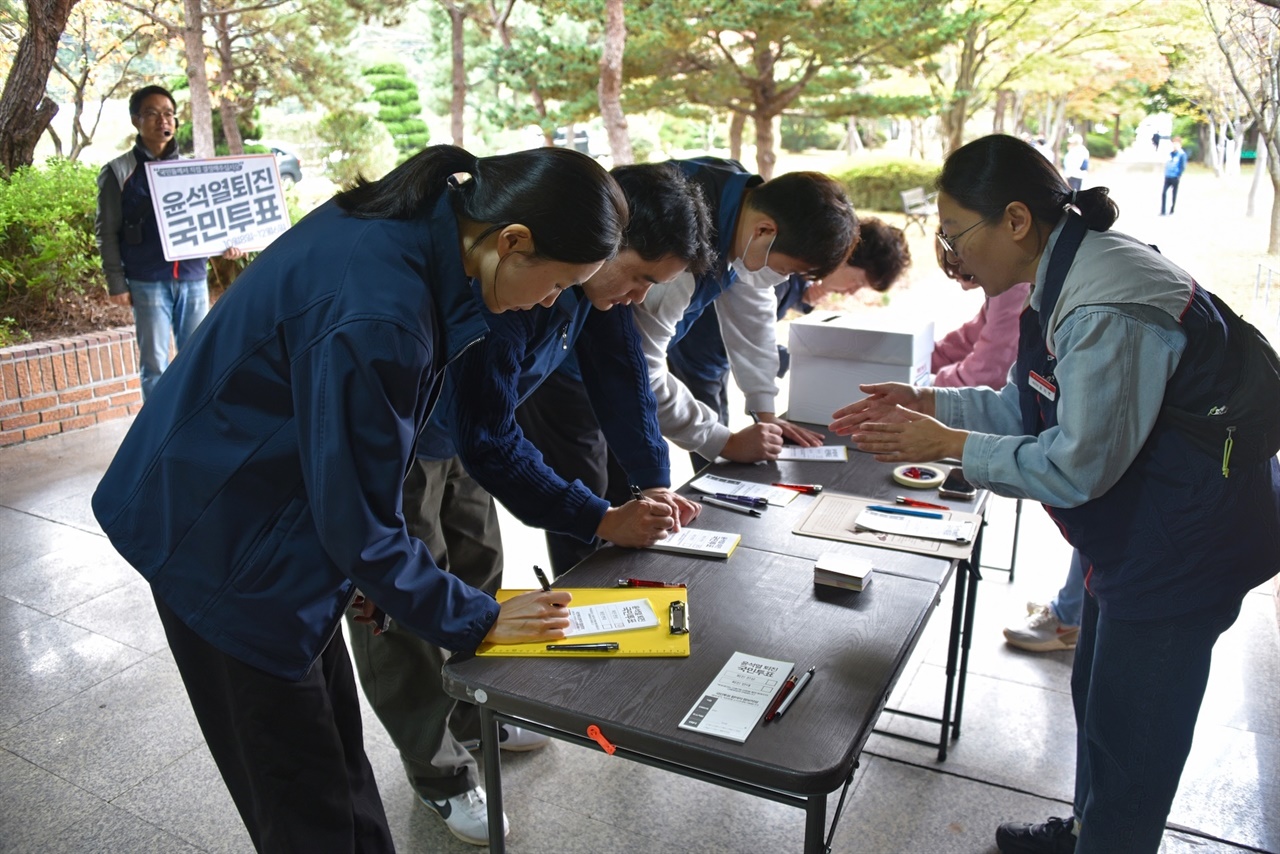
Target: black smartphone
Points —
{"points": [[955, 486]]}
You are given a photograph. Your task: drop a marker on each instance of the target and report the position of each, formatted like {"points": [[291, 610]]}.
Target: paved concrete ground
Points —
{"points": [[99, 750]]}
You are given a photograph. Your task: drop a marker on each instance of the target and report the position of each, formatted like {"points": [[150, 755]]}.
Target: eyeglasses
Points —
{"points": [[153, 115], [949, 243]]}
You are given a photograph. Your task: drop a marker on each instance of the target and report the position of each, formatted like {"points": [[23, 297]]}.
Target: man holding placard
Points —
{"points": [[169, 298]]}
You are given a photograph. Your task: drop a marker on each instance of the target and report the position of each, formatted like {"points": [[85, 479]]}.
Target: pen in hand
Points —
{"points": [[542, 578]]}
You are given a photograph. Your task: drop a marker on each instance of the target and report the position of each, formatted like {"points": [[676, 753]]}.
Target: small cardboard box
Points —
{"points": [[832, 354]]}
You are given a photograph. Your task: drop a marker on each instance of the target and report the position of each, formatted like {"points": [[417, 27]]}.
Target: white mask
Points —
{"points": [[765, 277]]}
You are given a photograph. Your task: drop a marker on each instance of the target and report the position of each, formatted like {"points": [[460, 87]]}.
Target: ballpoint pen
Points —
{"points": [[795, 692], [640, 582], [911, 502], [542, 578], [806, 488], [902, 511], [729, 505], [582, 647], [745, 500], [787, 687]]}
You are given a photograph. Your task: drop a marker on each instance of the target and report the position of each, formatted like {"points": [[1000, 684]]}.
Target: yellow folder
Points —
{"points": [[656, 642]]}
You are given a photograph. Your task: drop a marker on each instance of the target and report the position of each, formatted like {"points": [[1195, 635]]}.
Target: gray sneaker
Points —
{"points": [[1041, 631], [466, 816], [512, 738]]}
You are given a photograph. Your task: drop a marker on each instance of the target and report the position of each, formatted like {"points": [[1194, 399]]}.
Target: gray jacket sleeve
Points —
{"points": [[106, 228]]}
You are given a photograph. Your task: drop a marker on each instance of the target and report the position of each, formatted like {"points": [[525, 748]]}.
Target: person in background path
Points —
{"points": [[169, 298], [1173, 169], [1075, 163]]}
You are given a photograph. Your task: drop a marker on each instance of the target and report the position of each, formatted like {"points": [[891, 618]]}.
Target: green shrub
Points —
{"points": [[799, 134], [874, 183], [359, 145], [46, 232], [1100, 146]]}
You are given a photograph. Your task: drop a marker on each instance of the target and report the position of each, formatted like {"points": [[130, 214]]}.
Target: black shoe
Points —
{"points": [[1052, 837]]}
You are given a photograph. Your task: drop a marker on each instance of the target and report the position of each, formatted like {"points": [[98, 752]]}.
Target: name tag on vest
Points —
{"points": [[1042, 385]]}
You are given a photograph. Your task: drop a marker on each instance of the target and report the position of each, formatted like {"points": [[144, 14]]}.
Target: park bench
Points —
{"points": [[919, 206]]}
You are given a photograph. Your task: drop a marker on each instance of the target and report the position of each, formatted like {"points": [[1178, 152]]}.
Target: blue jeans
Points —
{"points": [[164, 310], [1136, 688], [1070, 599]]}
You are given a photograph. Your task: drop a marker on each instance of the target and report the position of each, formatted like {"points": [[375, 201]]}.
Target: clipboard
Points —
{"points": [[656, 642]]}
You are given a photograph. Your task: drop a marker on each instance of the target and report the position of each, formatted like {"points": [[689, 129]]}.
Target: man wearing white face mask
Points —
{"points": [[798, 223]]}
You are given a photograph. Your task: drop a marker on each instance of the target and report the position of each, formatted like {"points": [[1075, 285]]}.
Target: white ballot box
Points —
{"points": [[832, 354]]}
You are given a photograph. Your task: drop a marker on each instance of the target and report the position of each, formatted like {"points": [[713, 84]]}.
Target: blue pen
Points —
{"points": [[898, 511], [744, 500]]}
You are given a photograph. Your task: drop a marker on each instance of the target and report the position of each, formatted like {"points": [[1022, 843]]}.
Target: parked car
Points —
{"points": [[289, 165]]}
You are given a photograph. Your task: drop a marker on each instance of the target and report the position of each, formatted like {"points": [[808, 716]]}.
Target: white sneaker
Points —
{"points": [[513, 738], [467, 816], [1041, 631]]}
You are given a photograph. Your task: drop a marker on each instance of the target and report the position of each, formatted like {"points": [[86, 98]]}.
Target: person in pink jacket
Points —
{"points": [[981, 351]]}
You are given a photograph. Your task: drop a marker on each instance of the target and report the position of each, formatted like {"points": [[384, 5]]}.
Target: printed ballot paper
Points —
{"points": [[820, 454], [738, 697], [611, 617]]}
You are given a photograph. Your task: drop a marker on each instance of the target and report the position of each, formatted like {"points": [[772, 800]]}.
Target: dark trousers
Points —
{"points": [[1169, 183], [1137, 688], [399, 671], [558, 419], [291, 753]]}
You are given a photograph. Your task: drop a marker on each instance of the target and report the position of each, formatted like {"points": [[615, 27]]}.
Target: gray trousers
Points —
{"points": [[399, 671]]}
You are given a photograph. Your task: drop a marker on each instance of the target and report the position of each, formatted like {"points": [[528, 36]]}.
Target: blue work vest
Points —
{"points": [[1172, 536]]}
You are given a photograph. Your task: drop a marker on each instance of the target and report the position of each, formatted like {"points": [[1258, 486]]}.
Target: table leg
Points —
{"points": [[966, 641], [953, 654], [492, 778], [815, 825]]}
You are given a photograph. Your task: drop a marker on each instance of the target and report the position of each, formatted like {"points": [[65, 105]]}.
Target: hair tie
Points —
{"points": [[453, 182]]}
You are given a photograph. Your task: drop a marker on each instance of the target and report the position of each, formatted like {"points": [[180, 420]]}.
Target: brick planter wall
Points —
{"points": [[54, 386]]}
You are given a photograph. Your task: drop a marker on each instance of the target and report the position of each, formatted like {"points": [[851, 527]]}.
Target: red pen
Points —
{"points": [[805, 488], [640, 582], [911, 502], [772, 711]]}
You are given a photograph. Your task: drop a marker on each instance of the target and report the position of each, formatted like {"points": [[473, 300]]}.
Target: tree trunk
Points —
{"points": [[197, 79], [737, 121], [1259, 167], [226, 85], [458, 74], [25, 111], [1002, 104], [535, 94], [1273, 166], [766, 157], [852, 141], [609, 89]]}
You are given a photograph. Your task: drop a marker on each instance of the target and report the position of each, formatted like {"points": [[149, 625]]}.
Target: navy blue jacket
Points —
{"points": [[476, 415], [260, 485]]}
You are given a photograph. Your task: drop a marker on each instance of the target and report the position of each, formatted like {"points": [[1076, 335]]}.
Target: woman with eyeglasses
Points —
{"points": [[1117, 345], [260, 487]]}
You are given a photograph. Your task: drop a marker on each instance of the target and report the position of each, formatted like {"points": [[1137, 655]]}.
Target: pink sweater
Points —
{"points": [[982, 351]]}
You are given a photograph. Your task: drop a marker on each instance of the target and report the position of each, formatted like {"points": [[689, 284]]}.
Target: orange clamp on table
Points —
{"points": [[594, 733]]}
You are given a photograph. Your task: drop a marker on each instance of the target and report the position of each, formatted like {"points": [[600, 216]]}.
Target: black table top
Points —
{"points": [[757, 602], [761, 601]]}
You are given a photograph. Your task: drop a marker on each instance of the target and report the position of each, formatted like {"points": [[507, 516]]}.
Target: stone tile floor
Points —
{"points": [[99, 750]]}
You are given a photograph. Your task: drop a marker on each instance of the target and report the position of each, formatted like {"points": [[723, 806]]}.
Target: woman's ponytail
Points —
{"points": [[411, 189]]}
